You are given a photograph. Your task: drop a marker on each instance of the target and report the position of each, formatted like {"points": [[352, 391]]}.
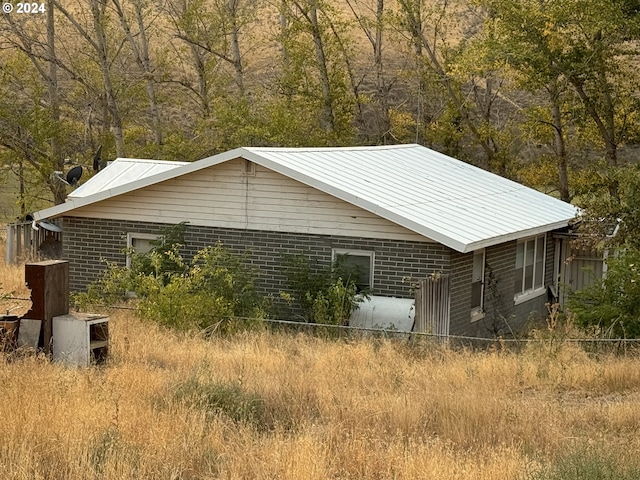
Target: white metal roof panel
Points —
{"points": [[450, 201], [120, 172], [444, 199]]}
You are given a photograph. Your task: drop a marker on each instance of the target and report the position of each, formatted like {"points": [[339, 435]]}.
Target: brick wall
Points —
{"points": [[498, 291], [88, 243], [460, 285], [498, 300]]}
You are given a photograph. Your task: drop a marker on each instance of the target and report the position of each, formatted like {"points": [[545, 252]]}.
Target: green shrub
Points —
{"points": [[324, 294], [229, 399], [205, 293], [611, 307]]}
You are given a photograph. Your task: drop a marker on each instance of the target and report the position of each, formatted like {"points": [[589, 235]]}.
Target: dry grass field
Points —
{"points": [[265, 405]]}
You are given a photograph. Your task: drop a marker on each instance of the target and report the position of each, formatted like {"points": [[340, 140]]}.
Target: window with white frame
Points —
{"points": [[138, 243], [529, 274], [358, 264]]}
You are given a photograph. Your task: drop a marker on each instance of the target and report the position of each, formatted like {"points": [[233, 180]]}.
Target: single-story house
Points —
{"points": [[402, 213]]}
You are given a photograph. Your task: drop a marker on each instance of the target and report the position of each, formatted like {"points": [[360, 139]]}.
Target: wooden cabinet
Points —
{"points": [[80, 339], [49, 285]]}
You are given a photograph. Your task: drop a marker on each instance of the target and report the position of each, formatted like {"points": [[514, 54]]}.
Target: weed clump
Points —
{"points": [[227, 399]]}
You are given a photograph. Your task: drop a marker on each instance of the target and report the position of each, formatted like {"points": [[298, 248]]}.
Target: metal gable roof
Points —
{"points": [[444, 199], [447, 200], [120, 172]]}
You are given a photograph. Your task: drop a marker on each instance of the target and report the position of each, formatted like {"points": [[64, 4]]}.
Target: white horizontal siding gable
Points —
{"points": [[224, 196]]}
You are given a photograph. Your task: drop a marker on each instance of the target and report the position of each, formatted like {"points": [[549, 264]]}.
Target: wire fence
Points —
{"points": [[548, 338]]}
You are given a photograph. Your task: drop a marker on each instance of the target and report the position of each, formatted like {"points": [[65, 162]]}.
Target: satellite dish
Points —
{"points": [[52, 227], [98, 164], [73, 175]]}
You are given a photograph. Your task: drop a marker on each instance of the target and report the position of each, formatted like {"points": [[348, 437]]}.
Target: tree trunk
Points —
{"points": [[381, 83], [327, 98], [236, 57], [422, 44], [381, 93], [607, 131], [98, 13], [99, 45], [59, 191], [140, 49], [559, 141]]}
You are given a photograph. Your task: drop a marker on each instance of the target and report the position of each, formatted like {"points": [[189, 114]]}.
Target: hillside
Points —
{"points": [[182, 80]]}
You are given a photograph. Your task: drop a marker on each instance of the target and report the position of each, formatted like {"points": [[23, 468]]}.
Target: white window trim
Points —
{"points": [[362, 253], [527, 295], [135, 235]]}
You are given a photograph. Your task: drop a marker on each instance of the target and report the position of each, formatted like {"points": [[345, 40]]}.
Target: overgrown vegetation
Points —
{"points": [[228, 399], [611, 306], [217, 286], [169, 404], [324, 294], [547, 95], [204, 293], [264, 405], [589, 463]]}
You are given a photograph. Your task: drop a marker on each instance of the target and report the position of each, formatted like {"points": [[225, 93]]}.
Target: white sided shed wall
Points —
{"points": [[224, 196]]}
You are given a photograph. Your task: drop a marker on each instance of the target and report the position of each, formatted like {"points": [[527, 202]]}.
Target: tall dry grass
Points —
{"points": [[289, 406], [269, 405], [12, 283]]}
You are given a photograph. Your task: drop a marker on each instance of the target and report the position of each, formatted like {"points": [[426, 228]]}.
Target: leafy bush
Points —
{"points": [[205, 293], [326, 295], [163, 259], [611, 306]]}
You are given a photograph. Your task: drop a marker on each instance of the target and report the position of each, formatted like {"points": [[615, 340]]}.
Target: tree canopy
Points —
{"points": [[542, 91]]}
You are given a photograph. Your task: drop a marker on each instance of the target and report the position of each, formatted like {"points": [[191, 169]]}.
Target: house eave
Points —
{"points": [[470, 247]]}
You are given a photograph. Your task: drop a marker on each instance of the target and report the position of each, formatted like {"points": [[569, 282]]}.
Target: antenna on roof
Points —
{"points": [[98, 164]]}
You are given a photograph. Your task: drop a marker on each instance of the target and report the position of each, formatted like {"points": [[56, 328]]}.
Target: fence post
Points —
{"points": [[9, 253]]}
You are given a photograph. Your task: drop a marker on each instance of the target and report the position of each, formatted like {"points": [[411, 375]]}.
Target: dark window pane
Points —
{"points": [[528, 277], [141, 245], [530, 254], [356, 267], [540, 248], [476, 294], [478, 266], [539, 274], [520, 255], [517, 281]]}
